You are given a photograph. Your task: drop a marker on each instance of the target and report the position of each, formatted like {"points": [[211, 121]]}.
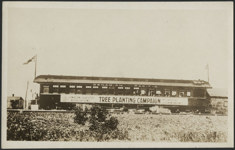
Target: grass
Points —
{"points": [[174, 128]]}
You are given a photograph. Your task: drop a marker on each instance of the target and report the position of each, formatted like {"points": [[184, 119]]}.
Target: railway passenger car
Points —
{"points": [[63, 92]]}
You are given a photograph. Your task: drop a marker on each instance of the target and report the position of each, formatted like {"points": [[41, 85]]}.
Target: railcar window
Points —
{"points": [[143, 92], [88, 90], [181, 94], [55, 89], [55, 86], [158, 93], [95, 90], [72, 89], [105, 90], [188, 93], [79, 86], [45, 89], [72, 86], [173, 93], [111, 90], [128, 90], [62, 86], [151, 92], [79, 89], [63, 89], [136, 91], [120, 90], [167, 93]]}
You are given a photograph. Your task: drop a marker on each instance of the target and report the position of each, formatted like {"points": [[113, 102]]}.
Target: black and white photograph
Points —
{"points": [[117, 74]]}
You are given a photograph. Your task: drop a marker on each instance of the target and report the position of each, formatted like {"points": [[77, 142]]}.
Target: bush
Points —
{"points": [[99, 113], [101, 124], [111, 123], [81, 116], [101, 121]]}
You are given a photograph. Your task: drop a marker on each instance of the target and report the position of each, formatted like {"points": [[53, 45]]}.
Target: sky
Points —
{"points": [[148, 40]]}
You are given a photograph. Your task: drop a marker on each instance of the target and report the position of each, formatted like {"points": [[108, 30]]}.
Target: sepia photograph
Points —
{"points": [[117, 75]]}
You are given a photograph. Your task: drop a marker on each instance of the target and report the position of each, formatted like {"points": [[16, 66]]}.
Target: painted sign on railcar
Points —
{"points": [[113, 99]]}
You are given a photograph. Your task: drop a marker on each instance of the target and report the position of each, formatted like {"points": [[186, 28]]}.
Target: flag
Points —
{"points": [[207, 66], [30, 60]]}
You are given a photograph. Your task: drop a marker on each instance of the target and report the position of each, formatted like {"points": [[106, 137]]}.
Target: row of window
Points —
{"points": [[89, 87], [112, 90]]}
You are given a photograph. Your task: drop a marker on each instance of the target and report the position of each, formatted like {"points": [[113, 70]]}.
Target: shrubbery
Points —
{"points": [[81, 116], [100, 119], [24, 127], [101, 124], [89, 125]]}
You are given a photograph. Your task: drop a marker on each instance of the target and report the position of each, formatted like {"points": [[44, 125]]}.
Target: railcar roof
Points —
{"points": [[119, 80]]}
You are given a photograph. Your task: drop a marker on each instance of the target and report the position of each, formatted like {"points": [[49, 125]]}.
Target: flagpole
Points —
{"points": [[34, 58]]}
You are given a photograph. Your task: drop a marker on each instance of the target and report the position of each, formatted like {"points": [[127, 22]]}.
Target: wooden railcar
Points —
{"points": [[63, 92]]}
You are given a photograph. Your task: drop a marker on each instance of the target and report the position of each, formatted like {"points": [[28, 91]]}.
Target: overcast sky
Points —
{"points": [[154, 40]]}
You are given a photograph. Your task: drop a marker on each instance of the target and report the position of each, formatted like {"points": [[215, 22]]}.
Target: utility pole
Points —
{"points": [[25, 105], [35, 71]]}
